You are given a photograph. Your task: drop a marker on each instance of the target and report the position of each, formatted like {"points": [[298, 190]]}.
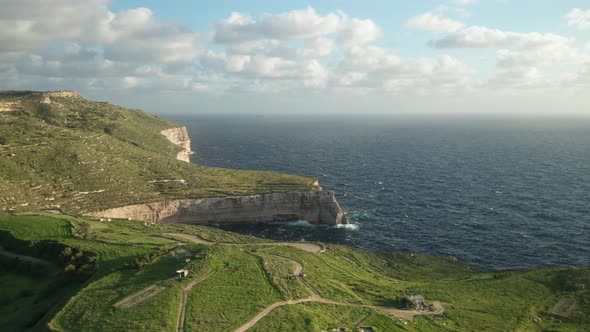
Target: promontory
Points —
{"points": [[60, 151]]}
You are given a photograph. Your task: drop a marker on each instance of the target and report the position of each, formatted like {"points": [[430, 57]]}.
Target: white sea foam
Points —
{"points": [[298, 223], [352, 227]]}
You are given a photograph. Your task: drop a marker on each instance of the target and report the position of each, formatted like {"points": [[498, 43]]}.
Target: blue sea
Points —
{"points": [[500, 193]]}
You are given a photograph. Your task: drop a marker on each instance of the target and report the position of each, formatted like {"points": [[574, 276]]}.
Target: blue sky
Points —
{"points": [[326, 56]]}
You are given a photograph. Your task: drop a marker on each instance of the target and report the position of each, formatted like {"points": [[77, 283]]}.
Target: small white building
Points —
{"points": [[182, 273], [418, 302]]}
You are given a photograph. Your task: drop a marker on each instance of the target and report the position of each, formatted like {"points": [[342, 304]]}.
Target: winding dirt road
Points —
{"points": [[309, 247], [183, 299], [140, 297], [23, 257], [404, 314]]}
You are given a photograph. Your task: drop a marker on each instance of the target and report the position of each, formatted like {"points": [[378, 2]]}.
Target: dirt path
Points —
{"points": [[405, 314], [309, 247], [298, 273], [181, 319], [144, 295], [23, 257], [190, 237]]}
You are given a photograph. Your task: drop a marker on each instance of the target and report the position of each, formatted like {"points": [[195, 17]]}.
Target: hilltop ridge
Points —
{"points": [[59, 150]]}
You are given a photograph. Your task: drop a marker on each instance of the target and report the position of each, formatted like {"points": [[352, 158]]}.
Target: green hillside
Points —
{"points": [[80, 155], [63, 272], [232, 278]]}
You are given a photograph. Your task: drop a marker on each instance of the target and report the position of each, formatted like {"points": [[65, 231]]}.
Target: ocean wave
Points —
{"points": [[297, 223], [352, 227]]}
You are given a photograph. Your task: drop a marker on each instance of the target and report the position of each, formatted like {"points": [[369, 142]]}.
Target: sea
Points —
{"points": [[500, 193]]}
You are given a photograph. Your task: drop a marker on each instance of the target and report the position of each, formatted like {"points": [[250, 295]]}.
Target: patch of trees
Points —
{"points": [[82, 229], [45, 112], [77, 264], [141, 261]]}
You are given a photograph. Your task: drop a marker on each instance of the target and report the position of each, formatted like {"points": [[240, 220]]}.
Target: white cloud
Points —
{"points": [[358, 32], [317, 47], [512, 80], [377, 67], [483, 37], [293, 25], [433, 22], [66, 44], [559, 54], [300, 24], [30, 24], [462, 2], [578, 18]]}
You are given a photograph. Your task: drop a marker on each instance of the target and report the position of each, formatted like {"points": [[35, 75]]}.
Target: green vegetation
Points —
{"points": [[63, 272], [280, 272], [321, 316], [235, 293], [230, 281], [78, 155]]}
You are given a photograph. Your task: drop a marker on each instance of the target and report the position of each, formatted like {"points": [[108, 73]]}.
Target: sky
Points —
{"points": [[315, 57]]}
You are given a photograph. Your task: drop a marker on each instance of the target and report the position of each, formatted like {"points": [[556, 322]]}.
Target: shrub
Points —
{"points": [[45, 112]]}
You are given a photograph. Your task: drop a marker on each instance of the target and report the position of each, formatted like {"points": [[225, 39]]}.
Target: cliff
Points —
{"points": [[60, 150], [179, 136], [318, 207]]}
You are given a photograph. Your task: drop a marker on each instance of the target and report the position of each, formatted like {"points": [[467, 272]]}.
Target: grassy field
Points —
{"points": [[235, 293], [79, 155], [325, 317], [231, 281]]}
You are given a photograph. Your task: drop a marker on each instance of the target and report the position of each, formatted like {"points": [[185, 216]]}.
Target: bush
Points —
{"points": [[45, 112], [3, 140]]}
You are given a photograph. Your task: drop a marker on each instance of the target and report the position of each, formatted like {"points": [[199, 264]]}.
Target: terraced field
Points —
{"points": [[239, 283], [79, 155]]}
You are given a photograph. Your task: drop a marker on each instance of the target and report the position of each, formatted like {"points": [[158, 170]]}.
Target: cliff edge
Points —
{"points": [[59, 150], [318, 207], [179, 136]]}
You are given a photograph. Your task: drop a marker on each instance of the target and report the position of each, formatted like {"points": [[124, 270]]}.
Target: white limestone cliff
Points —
{"points": [[179, 136], [318, 207]]}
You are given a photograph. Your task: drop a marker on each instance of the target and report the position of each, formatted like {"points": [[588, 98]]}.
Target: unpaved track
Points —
{"points": [[180, 322], [405, 314], [309, 247], [23, 257], [297, 272], [142, 296]]}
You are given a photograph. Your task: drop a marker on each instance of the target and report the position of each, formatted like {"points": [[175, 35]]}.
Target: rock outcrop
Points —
{"points": [[179, 136], [318, 207], [64, 93], [9, 106]]}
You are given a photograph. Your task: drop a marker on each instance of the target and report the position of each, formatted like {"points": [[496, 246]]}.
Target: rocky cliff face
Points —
{"points": [[318, 207], [65, 93], [179, 136]]}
